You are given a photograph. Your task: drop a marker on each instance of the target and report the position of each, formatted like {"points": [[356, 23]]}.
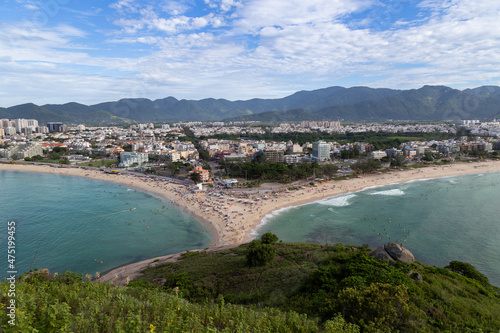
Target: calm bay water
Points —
{"points": [[438, 220], [70, 223]]}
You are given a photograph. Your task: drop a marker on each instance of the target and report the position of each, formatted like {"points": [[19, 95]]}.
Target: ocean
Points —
{"points": [[87, 226], [71, 223], [438, 220]]}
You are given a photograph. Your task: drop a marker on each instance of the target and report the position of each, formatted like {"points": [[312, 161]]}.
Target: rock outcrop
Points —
{"points": [[42, 272], [393, 252]]}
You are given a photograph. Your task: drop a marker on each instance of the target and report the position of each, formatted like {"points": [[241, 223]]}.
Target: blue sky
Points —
{"points": [[57, 51]]}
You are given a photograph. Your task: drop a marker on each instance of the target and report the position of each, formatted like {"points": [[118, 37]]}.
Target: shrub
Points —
{"points": [[269, 238], [468, 270], [259, 254], [376, 307], [338, 324]]}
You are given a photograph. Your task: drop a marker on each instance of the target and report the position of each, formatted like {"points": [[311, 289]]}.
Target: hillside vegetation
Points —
{"points": [[267, 286], [333, 103]]}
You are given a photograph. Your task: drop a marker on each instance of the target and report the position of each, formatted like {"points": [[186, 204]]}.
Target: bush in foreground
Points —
{"points": [[62, 305]]}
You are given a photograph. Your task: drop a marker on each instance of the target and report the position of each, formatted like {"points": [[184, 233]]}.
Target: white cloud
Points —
{"points": [[258, 48], [258, 14], [123, 6], [223, 5], [151, 19], [175, 7]]}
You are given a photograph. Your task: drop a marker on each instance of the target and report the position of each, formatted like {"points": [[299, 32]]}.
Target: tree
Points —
{"points": [[60, 150], [428, 157], [195, 177], [329, 170], [398, 161], [269, 238], [204, 155], [173, 167], [467, 270], [127, 148], [259, 254], [207, 166], [259, 158], [54, 156], [366, 166]]}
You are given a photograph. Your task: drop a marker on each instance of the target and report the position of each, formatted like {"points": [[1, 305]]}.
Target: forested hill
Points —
{"points": [[333, 103], [265, 286]]}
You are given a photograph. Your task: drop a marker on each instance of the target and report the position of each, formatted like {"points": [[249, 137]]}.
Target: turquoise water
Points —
{"points": [[438, 220], [70, 223]]}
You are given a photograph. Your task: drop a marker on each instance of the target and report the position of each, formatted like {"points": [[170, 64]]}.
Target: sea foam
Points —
{"points": [[339, 201], [266, 219], [394, 192]]}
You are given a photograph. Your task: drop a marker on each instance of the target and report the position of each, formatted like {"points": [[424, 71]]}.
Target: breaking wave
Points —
{"points": [[394, 192], [340, 201]]}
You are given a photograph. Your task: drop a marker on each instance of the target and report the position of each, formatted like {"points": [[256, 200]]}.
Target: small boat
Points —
{"points": [[132, 208]]}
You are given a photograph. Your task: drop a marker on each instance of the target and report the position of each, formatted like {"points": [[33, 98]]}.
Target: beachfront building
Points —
{"points": [[128, 159], [320, 151], [293, 159], [274, 155], [22, 151], [378, 154], [204, 174]]}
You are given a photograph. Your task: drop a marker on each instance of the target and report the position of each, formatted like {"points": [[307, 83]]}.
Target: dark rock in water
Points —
{"points": [[393, 252], [399, 253], [381, 254]]}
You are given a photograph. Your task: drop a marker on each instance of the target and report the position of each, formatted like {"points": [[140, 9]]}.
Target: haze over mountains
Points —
{"points": [[333, 103]]}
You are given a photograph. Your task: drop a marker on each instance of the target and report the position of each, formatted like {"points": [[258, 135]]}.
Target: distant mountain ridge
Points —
{"points": [[333, 103]]}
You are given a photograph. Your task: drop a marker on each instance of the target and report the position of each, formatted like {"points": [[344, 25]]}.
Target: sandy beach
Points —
{"points": [[233, 216]]}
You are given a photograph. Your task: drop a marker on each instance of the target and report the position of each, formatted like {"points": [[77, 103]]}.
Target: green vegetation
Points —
{"points": [[301, 287], [260, 253], [275, 172], [325, 281], [428, 103], [195, 177], [379, 140], [468, 270], [366, 166], [100, 163], [73, 305]]}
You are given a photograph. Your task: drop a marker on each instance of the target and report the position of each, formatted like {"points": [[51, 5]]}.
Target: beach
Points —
{"points": [[233, 216]]}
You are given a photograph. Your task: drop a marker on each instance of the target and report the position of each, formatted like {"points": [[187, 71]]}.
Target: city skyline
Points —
{"points": [[60, 51]]}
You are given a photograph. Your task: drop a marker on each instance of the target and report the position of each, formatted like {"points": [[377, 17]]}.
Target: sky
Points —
{"points": [[59, 51]]}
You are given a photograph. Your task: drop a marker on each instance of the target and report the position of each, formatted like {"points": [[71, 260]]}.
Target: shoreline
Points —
{"points": [[234, 217]]}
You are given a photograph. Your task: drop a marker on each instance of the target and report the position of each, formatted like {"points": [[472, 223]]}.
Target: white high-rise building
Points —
{"points": [[4, 123], [20, 124], [127, 159], [321, 151], [9, 130]]}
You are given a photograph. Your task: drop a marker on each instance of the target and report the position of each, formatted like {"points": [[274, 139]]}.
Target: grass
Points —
{"points": [[415, 166], [306, 288], [59, 305], [100, 163], [307, 278]]}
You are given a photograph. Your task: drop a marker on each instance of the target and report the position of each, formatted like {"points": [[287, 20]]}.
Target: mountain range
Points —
{"points": [[431, 103]]}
